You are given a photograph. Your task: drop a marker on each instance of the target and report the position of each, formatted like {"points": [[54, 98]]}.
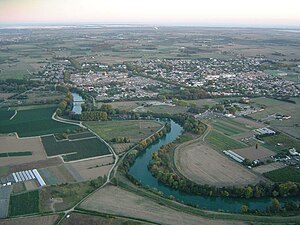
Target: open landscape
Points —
{"points": [[202, 164], [162, 112]]}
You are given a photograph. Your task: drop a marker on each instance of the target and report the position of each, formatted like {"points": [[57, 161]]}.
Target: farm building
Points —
{"points": [[265, 130]]}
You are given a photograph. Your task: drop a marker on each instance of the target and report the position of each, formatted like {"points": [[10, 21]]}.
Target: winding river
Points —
{"points": [[140, 171]]}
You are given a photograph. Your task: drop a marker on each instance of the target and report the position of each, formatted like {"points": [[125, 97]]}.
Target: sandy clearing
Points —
{"points": [[204, 165], [13, 144], [252, 153], [37, 220], [114, 200], [31, 185], [90, 169], [269, 167]]}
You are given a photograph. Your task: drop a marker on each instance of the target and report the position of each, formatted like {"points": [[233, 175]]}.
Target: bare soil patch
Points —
{"points": [[36, 164], [252, 153], [250, 123], [90, 169], [83, 219], [13, 144], [202, 164], [37, 220], [113, 200], [31, 185], [269, 167]]}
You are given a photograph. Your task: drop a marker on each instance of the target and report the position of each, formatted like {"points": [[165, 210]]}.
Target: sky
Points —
{"points": [[285, 13]]}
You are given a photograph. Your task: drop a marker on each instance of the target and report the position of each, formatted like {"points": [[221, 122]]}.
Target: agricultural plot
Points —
{"points": [[34, 122], [165, 109], [273, 106], [83, 219], [252, 153], [56, 175], [6, 114], [199, 163], [135, 206], [25, 203], [280, 142], [228, 128], [221, 142], [124, 105], [268, 167], [4, 201], [36, 220], [15, 151], [284, 175], [135, 130], [90, 169], [74, 149]]}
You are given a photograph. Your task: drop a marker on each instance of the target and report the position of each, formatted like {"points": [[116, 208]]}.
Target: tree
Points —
{"points": [[275, 205], [244, 209], [248, 192]]}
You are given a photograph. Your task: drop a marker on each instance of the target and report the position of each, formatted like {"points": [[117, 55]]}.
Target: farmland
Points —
{"points": [[284, 175], [279, 142], [4, 201], [221, 142], [201, 164], [134, 130], [56, 175], [74, 149], [6, 114], [33, 122], [20, 150], [24, 203], [83, 219], [273, 106], [135, 206]]}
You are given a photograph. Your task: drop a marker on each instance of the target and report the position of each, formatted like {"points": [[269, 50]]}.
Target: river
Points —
{"points": [[140, 172], [77, 101]]}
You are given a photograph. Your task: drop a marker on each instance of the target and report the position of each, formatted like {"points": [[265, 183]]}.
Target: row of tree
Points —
{"points": [[65, 105], [142, 145], [93, 116], [161, 169]]}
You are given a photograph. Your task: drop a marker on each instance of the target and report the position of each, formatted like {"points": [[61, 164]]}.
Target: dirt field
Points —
{"points": [[204, 165], [37, 220], [56, 175], [83, 219], [37, 164], [90, 169], [252, 153], [107, 200], [13, 144], [31, 185], [269, 167], [121, 147]]}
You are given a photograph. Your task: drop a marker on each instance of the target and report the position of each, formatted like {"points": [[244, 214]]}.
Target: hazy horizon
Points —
{"points": [[231, 13]]}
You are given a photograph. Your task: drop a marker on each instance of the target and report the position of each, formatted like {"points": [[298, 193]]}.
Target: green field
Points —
{"points": [[284, 174], [273, 106], [79, 149], [80, 135], [135, 130], [280, 142], [226, 128], [6, 114], [11, 154], [221, 142], [34, 122], [25, 203]]}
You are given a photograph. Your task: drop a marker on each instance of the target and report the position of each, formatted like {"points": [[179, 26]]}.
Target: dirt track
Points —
{"points": [[204, 165], [113, 200]]}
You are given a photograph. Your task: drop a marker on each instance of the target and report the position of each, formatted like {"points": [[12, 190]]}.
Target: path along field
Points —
{"points": [[34, 122], [202, 164], [37, 220], [14, 144], [117, 201]]}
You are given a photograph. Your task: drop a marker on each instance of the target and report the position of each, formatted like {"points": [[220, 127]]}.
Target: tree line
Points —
{"points": [[160, 167]]}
